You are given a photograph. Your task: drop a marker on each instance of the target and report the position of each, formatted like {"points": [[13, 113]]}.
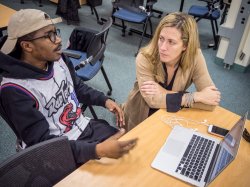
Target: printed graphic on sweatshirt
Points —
{"points": [[68, 117], [66, 103], [60, 99]]}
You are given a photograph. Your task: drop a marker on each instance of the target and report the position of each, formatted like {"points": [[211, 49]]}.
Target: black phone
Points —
{"points": [[212, 129]]}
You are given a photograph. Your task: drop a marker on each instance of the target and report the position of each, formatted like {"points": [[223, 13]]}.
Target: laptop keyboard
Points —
{"points": [[195, 158]]}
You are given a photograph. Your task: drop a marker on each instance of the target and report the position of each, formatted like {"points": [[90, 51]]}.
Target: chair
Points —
{"points": [[86, 43], [211, 12], [151, 3], [40, 2], [133, 11], [68, 9], [93, 4], [43, 164]]}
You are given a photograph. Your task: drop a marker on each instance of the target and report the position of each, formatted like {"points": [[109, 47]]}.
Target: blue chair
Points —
{"points": [[211, 12], [86, 43], [86, 52], [134, 12]]}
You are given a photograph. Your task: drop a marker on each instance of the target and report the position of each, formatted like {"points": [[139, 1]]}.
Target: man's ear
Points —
{"points": [[26, 46]]}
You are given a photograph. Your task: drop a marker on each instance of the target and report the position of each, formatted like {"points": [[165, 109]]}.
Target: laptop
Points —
{"points": [[196, 158]]}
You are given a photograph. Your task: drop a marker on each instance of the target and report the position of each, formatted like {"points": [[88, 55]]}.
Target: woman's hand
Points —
{"points": [[152, 88], [114, 108], [209, 95]]}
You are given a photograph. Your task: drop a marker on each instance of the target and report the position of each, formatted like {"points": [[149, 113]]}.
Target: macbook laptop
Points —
{"points": [[196, 158]]}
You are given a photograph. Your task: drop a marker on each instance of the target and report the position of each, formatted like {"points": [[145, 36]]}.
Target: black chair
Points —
{"points": [[68, 9], [40, 2], [93, 4], [43, 164], [86, 51], [210, 11], [150, 3], [88, 46], [133, 11]]}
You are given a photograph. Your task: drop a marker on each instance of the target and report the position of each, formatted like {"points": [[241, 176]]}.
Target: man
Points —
{"points": [[41, 95]]}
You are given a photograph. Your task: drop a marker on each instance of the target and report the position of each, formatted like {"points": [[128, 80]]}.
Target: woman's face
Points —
{"points": [[170, 45]]}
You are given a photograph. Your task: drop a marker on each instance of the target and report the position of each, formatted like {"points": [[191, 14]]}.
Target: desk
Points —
{"points": [[5, 14], [134, 170]]}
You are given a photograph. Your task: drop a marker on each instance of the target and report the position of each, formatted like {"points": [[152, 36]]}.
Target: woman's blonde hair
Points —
{"points": [[190, 37]]}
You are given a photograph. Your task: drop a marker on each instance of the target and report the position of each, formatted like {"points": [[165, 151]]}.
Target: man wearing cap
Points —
{"points": [[40, 94]]}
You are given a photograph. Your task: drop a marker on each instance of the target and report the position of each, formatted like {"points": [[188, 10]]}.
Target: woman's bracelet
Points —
{"points": [[189, 99]]}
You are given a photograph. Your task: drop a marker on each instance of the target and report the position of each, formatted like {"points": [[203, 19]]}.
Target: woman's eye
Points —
{"points": [[171, 42]]}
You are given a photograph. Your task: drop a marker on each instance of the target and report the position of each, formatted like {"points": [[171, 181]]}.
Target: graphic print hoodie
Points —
{"points": [[45, 104]]}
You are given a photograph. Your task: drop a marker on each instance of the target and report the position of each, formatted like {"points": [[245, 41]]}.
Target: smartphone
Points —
{"points": [[212, 129]]}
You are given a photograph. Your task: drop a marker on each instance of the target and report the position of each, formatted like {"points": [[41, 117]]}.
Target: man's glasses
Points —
{"points": [[51, 35]]}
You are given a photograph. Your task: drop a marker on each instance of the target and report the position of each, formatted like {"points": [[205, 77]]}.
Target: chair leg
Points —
{"points": [[123, 28], [216, 26], [143, 34], [214, 36], [107, 81], [96, 15], [40, 3], [92, 112], [151, 28]]}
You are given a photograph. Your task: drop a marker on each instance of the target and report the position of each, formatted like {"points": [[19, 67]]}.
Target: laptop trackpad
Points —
{"points": [[173, 147]]}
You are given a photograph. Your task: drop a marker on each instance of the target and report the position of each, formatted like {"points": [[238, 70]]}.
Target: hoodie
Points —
{"points": [[40, 105]]}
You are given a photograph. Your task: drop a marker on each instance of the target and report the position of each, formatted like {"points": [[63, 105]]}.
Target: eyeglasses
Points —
{"points": [[51, 35]]}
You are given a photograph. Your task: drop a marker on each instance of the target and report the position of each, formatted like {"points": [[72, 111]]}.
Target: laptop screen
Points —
{"points": [[228, 148]]}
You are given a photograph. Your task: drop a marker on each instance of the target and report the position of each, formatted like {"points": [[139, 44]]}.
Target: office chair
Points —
{"points": [[133, 11], [93, 4], [151, 3], [43, 164], [68, 9], [211, 12], [40, 2], [85, 43]]}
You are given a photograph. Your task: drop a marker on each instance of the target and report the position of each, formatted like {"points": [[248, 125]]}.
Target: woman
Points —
{"points": [[166, 67]]}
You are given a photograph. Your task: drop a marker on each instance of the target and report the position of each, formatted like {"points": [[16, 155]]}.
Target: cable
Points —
{"points": [[246, 135], [172, 120]]}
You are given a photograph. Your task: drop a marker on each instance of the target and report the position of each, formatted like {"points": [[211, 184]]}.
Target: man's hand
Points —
{"points": [[114, 108], [112, 148]]}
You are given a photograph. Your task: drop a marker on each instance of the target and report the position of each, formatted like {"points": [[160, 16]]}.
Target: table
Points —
{"points": [[5, 14], [134, 170]]}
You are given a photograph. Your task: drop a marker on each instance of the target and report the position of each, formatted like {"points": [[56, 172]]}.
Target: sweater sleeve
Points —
{"points": [[83, 151], [21, 110], [201, 79], [145, 72]]}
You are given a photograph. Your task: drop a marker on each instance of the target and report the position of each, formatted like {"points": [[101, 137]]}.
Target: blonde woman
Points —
{"points": [[166, 67]]}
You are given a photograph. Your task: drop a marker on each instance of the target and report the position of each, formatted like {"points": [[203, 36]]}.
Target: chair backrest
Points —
{"points": [[90, 41], [129, 4], [98, 43], [43, 164], [214, 4]]}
